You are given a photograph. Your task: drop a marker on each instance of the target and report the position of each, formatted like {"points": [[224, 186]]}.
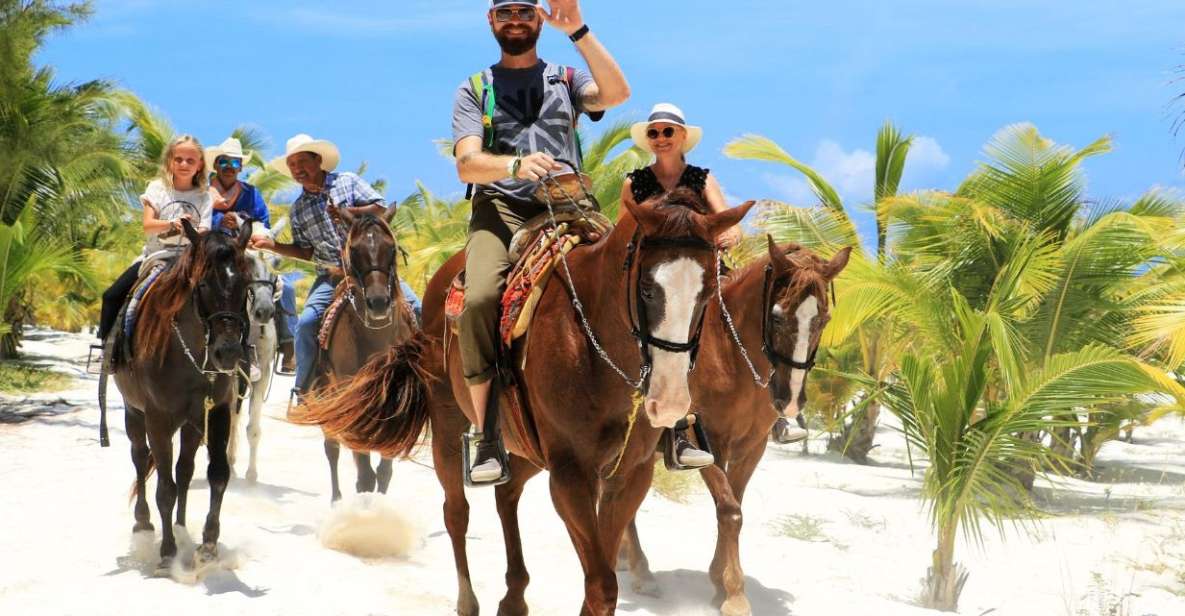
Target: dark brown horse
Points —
{"points": [[372, 323], [778, 308], [189, 343]]}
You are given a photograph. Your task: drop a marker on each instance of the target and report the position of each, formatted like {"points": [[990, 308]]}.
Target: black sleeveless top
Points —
{"points": [[645, 185]]}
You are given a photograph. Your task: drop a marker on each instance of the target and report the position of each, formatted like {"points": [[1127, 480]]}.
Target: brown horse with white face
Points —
{"points": [[189, 344], [778, 307], [642, 292], [651, 277]]}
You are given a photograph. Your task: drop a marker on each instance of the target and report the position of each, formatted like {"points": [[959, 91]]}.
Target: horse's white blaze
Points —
{"points": [[681, 281], [806, 313]]}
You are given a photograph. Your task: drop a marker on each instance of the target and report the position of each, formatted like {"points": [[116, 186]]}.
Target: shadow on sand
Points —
{"points": [[691, 592]]}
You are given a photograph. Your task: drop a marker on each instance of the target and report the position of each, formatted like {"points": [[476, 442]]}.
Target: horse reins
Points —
{"points": [[774, 357]]}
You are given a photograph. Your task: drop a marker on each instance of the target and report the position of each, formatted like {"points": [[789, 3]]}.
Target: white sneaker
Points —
{"points": [[788, 433], [487, 471], [695, 458]]}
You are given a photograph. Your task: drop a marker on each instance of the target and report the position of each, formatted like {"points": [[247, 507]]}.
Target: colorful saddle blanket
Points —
{"points": [[536, 250], [131, 312]]}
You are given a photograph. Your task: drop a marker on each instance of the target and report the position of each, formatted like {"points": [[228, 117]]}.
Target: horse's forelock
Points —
{"points": [[683, 212]]}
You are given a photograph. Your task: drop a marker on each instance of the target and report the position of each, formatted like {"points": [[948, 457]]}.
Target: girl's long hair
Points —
{"points": [[201, 179]]}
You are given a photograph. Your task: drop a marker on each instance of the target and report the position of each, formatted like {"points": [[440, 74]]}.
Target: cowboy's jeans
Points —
{"points": [[411, 298], [307, 327]]}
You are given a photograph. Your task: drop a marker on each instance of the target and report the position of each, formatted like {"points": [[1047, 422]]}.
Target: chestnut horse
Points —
{"points": [[372, 323], [642, 290], [189, 343], [777, 308], [652, 277]]}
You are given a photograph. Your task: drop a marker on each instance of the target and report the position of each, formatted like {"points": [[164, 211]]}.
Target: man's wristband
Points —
{"points": [[579, 34], [513, 166]]}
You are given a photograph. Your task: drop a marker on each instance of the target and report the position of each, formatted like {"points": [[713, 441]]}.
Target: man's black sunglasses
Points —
{"points": [[525, 13]]}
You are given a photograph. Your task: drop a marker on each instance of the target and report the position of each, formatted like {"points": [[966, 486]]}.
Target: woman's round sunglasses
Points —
{"points": [[667, 132], [519, 14]]}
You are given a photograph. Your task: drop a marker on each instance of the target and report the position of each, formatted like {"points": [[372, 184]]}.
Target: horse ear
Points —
{"points": [[722, 221], [245, 234], [389, 215], [837, 263], [347, 216], [190, 233], [777, 256], [648, 218]]}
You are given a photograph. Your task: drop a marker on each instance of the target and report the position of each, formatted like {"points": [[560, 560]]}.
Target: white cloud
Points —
{"points": [[853, 173]]}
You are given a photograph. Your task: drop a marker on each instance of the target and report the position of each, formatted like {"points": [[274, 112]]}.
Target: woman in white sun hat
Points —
{"points": [[668, 136]]}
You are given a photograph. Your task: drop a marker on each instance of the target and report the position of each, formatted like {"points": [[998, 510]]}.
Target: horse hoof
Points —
{"points": [[467, 605], [205, 555], [164, 569], [252, 476], [143, 527], [516, 608], [736, 606], [647, 588]]}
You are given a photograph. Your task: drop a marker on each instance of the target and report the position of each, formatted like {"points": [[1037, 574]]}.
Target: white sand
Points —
{"points": [[66, 545]]}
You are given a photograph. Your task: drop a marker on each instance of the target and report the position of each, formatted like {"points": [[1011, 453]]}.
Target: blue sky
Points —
{"points": [[378, 77]]}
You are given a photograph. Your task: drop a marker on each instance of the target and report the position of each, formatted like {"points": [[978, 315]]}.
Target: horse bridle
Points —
{"points": [[207, 335], [767, 342], [355, 279], [639, 325]]}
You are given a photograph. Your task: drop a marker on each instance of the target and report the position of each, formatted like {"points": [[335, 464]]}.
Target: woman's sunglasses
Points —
{"points": [[667, 132], [519, 14], [229, 163]]}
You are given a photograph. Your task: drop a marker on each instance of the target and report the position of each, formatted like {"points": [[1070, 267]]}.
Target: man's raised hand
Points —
{"points": [[564, 15]]}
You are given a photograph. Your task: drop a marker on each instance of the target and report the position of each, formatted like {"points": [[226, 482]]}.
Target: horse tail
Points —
{"points": [[382, 408], [147, 473]]}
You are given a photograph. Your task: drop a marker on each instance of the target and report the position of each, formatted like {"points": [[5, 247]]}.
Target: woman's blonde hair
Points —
{"points": [[201, 178]]}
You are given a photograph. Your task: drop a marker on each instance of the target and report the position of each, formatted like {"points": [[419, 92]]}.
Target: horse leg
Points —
{"points": [[631, 557], [446, 459], [218, 473], [726, 572], [254, 429], [573, 492], [619, 507], [160, 440], [383, 474], [517, 577], [191, 439], [332, 449], [232, 447], [134, 424], [366, 476]]}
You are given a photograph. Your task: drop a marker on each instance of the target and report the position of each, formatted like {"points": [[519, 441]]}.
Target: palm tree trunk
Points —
{"points": [[857, 439], [945, 579]]}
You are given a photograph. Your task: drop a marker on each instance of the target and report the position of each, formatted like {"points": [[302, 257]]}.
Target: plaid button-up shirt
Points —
{"points": [[311, 225]]}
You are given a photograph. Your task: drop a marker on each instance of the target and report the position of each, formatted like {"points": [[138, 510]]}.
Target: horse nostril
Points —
{"points": [[376, 304], [780, 403]]}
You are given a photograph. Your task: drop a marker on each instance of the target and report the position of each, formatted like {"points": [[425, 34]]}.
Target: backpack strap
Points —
{"points": [[483, 91], [567, 75]]}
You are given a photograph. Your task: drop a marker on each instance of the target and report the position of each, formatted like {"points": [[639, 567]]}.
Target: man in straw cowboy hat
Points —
{"points": [[511, 123], [317, 235], [226, 161]]}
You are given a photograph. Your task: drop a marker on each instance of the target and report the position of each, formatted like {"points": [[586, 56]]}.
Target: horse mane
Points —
{"points": [[806, 275], [173, 290], [683, 210]]}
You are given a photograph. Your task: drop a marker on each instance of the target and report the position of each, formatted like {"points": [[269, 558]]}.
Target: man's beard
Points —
{"points": [[518, 46]]}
